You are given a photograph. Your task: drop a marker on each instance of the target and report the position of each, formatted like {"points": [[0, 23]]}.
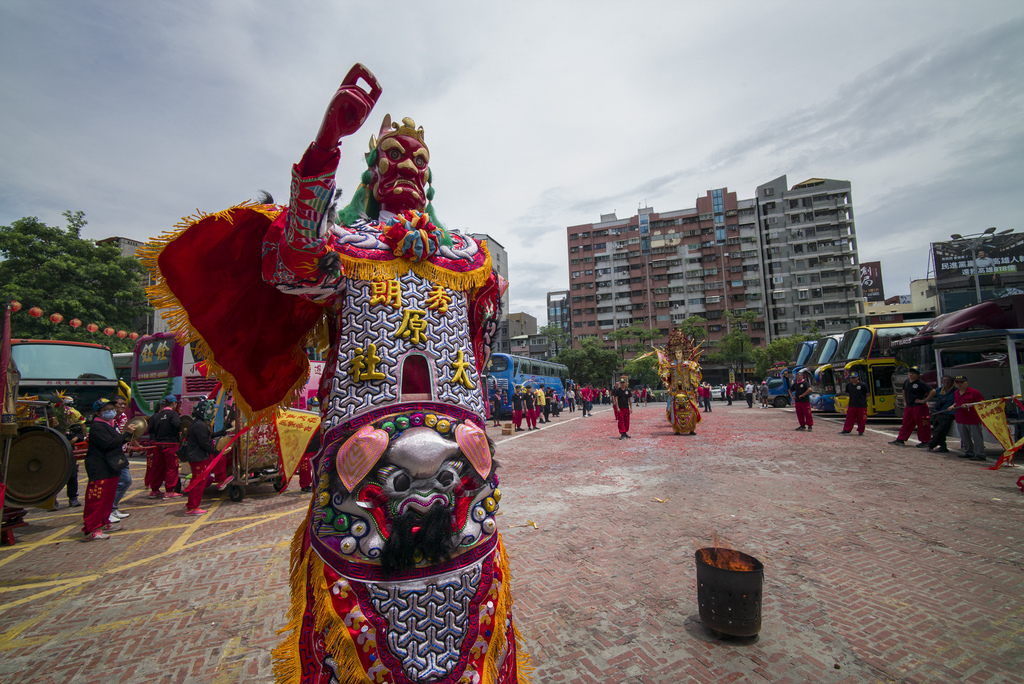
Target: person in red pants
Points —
{"points": [[622, 404], [103, 464], [531, 409], [517, 408], [857, 405], [916, 395], [802, 402], [199, 449], [162, 461]]}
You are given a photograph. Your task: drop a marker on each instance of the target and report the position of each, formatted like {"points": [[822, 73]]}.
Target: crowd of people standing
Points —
{"points": [[107, 467], [951, 406]]}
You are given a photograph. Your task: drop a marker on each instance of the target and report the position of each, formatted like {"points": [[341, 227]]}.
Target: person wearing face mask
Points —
{"points": [[103, 464]]}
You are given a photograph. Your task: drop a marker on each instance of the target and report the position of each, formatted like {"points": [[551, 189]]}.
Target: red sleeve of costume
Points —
{"points": [[297, 240], [484, 312]]}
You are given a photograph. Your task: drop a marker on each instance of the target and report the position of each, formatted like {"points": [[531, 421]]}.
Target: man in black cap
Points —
{"points": [[916, 395], [857, 405], [802, 401], [162, 461]]}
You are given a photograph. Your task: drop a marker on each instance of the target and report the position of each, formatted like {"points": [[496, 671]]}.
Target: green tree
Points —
{"points": [[60, 272], [779, 349], [736, 349], [641, 338], [591, 364], [643, 371], [694, 327], [557, 338]]}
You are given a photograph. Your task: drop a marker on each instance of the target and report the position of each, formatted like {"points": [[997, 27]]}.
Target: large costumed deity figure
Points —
{"points": [[680, 372], [398, 572]]}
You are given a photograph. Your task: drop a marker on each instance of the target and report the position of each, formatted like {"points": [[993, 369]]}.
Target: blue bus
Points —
{"points": [[505, 371]]}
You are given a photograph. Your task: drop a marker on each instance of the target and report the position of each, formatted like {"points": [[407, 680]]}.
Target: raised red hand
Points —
{"points": [[349, 108]]}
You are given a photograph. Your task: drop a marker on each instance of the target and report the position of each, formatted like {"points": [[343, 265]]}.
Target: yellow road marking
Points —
{"points": [[179, 543], [230, 672], [69, 584], [12, 634], [28, 546]]}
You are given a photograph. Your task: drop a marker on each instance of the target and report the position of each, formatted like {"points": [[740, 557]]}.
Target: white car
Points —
{"points": [[718, 393]]}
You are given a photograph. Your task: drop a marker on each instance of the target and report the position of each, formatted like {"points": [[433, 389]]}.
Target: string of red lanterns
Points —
{"points": [[36, 312]]}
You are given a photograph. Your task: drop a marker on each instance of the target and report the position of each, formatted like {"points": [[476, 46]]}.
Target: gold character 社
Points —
{"points": [[364, 365]]}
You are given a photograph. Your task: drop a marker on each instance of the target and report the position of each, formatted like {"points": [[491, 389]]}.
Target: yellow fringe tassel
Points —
{"points": [[366, 269], [288, 669], [161, 297], [524, 664]]}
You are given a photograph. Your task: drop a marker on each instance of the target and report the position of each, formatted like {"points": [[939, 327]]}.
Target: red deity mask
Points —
{"points": [[400, 174]]}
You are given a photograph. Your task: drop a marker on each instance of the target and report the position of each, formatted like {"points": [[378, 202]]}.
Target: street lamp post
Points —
{"points": [[973, 242]]}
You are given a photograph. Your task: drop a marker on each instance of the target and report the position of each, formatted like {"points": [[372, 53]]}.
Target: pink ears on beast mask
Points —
{"points": [[473, 442], [358, 454]]}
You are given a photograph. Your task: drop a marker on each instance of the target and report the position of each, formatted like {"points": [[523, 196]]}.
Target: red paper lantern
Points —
{"points": [[108, 331], [75, 323], [133, 336], [56, 317], [92, 327], [121, 334], [35, 312], [15, 305]]}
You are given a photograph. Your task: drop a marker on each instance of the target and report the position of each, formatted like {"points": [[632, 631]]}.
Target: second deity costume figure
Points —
{"points": [[680, 372]]}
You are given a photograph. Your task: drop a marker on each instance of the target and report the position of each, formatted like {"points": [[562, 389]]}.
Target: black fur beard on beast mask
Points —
{"points": [[433, 540]]}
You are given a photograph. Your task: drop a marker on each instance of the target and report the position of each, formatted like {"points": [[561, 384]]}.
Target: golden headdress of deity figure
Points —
{"points": [[389, 130]]}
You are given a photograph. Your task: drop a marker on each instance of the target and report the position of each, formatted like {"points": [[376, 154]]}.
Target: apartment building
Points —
{"points": [[808, 243], [558, 310], [657, 269]]}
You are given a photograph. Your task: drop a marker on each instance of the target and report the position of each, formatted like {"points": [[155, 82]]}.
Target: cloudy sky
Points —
{"points": [[539, 115]]}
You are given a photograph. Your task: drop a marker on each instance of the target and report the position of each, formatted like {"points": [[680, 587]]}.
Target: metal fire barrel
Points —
{"points": [[729, 600]]}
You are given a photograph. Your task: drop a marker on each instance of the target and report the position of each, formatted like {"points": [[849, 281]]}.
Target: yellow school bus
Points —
{"points": [[867, 350]]}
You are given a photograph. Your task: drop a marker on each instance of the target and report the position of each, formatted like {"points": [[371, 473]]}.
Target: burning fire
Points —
{"points": [[727, 559]]}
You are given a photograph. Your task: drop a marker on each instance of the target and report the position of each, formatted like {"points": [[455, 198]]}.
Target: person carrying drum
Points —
{"points": [[161, 461]]}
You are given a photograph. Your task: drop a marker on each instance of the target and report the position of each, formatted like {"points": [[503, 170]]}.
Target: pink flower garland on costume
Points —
{"points": [[412, 236]]}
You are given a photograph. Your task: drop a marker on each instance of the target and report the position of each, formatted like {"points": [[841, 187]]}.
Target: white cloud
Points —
{"points": [[539, 115]]}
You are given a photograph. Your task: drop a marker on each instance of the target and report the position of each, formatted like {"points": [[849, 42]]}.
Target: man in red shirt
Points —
{"points": [[967, 420]]}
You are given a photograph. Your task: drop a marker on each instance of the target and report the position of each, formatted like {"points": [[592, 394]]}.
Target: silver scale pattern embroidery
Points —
{"points": [[427, 624], [362, 323]]}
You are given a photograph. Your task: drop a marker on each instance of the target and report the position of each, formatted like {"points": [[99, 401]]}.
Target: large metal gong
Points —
{"points": [[40, 464]]}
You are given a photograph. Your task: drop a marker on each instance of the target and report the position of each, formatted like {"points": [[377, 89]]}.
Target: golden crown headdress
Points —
{"points": [[390, 130]]}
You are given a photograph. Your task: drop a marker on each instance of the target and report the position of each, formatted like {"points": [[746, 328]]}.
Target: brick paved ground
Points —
{"points": [[893, 564]]}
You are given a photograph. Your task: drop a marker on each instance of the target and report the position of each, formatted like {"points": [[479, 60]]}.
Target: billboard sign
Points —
{"points": [[999, 261], [871, 281]]}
